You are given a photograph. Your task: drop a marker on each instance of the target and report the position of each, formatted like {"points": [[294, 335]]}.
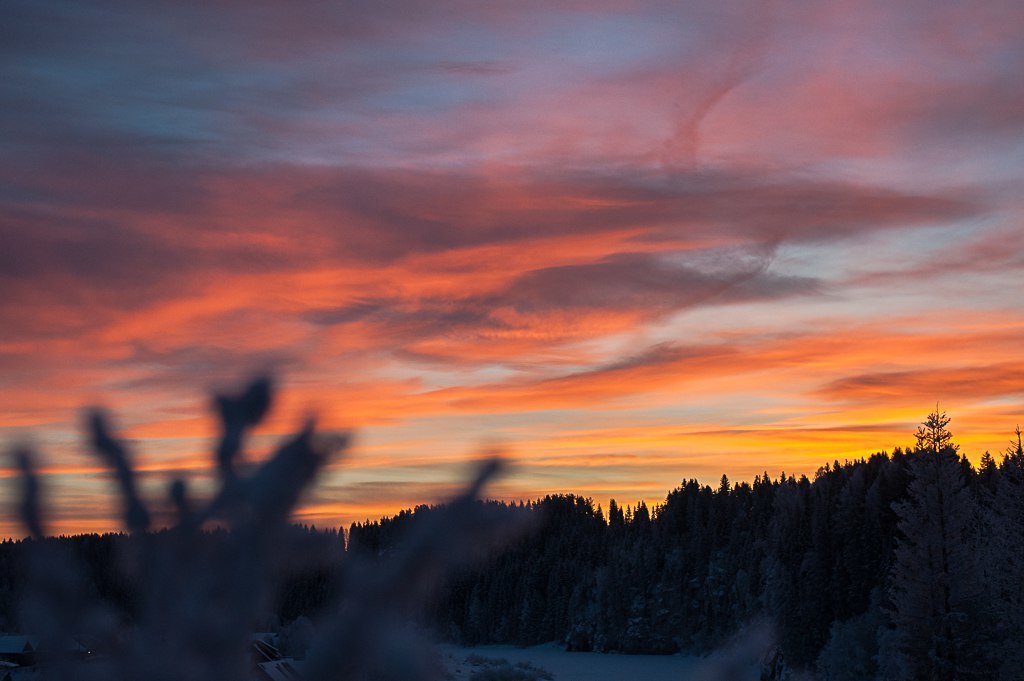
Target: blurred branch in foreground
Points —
{"points": [[198, 601]]}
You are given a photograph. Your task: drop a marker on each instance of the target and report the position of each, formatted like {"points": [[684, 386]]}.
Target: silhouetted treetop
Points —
{"points": [[933, 435]]}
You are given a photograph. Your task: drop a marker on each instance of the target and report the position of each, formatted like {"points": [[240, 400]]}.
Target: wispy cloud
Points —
{"points": [[778, 220]]}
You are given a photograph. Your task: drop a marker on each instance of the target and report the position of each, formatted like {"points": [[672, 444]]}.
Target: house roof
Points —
{"points": [[16, 644]]}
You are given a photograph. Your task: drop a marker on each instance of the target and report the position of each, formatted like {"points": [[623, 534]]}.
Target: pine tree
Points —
{"points": [[988, 472], [933, 591], [1003, 561], [933, 436], [1015, 452]]}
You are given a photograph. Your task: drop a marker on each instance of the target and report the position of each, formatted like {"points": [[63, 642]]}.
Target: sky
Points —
{"points": [[625, 243]]}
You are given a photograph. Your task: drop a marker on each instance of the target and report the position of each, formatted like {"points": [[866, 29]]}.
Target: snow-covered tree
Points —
{"points": [[1003, 561], [850, 654], [933, 590]]}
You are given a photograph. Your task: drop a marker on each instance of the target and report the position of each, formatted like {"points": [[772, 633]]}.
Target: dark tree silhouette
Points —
{"points": [[933, 585]]}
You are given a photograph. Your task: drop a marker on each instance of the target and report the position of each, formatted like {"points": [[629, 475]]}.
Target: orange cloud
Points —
{"points": [[689, 241]]}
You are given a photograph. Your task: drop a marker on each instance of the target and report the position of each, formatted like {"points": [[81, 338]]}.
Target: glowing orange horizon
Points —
{"points": [[627, 243]]}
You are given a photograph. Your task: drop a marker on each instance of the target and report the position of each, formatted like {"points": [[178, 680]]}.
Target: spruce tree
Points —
{"points": [[1003, 556], [933, 591]]}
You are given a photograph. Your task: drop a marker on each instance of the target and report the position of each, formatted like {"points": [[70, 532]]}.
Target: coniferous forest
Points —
{"points": [[904, 565], [907, 565]]}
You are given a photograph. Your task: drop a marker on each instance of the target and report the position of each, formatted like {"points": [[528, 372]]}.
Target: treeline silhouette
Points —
{"points": [[907, 565], [904, 565]]}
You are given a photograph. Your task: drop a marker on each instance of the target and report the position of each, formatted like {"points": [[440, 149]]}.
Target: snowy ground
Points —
{"points": [[580, 666]]}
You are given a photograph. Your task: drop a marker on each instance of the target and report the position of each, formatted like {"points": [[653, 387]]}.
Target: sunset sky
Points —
{"points": [[627, 243]]}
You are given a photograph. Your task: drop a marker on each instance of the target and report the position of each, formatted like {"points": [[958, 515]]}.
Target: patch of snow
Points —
{"points": [[566, 666]]}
